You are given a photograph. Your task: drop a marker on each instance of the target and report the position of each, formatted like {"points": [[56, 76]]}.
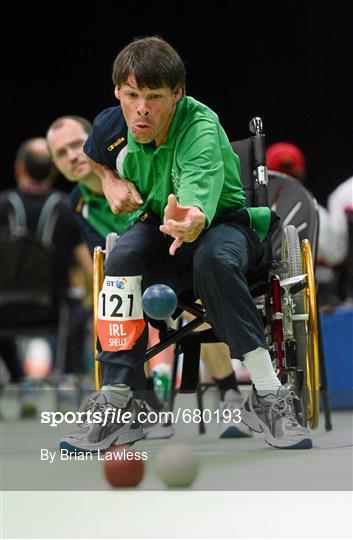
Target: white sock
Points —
{"points": [[119, 394], [261, 371]]}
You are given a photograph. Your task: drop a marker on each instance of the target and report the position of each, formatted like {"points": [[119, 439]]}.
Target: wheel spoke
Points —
{"points": [[291, 254]]}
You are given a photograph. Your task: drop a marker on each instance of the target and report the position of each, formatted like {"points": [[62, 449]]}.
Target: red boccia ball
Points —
{"points": [[122, 468]]}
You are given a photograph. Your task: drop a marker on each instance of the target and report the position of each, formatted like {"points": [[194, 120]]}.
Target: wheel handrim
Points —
{"points": [[312, 349]]}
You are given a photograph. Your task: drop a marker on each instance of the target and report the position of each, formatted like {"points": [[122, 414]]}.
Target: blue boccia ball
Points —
{"points": [[159, 301]]}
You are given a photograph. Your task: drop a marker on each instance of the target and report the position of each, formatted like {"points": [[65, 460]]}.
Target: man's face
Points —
{"points": [[148, 112], [66, 147]]}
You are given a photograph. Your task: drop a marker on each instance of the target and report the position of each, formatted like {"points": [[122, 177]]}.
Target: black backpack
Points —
{"points": [[27, 267]]}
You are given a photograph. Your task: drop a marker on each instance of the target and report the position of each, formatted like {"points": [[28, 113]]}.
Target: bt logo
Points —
{"points": [[119, 283]]}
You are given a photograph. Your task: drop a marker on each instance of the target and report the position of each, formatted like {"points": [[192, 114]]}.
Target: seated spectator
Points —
{"points": [[34, 174], [340, 207], [339, 204], [286, 158], [289, 159]]}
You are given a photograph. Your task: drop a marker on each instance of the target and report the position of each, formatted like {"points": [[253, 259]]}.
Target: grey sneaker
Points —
{"points": [[153, 430], [111, 430], [275, 416], [230, 416], [87, 401]]}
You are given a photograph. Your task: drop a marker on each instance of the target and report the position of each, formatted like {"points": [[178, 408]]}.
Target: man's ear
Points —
{"points": [[178, 94], [117, 92], [20, 169]]}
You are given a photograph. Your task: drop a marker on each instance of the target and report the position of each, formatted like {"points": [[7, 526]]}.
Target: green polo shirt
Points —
{"points": [[196, 162], [99, 215]]}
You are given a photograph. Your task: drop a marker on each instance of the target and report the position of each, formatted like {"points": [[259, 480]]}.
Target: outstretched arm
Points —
{"points": [[184, 223], [121, 195]]}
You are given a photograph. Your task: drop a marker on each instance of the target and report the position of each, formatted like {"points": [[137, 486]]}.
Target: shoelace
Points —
{"points": [[94, 406], [144, 407], [284, 406]]}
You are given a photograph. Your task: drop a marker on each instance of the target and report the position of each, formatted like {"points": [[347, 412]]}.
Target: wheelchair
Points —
{"points": [[283, 289]]}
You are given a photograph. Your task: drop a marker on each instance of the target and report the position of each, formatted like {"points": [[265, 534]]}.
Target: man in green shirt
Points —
{"points": [[65, 137], [180, 174]]}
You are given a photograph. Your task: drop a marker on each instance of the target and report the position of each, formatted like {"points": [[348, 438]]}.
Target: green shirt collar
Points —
{"points": [[88, 194]]}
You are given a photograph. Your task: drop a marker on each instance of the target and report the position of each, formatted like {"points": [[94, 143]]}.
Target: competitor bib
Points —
{"points": [[120, 315]]}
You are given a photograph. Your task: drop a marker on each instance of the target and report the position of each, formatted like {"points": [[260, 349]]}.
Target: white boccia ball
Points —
{"points": [[176, 465], [38, 359]]}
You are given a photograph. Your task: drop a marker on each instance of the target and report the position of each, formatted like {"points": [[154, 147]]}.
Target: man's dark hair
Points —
{"points": [[152, 61], [86, 124], [39, 166]]}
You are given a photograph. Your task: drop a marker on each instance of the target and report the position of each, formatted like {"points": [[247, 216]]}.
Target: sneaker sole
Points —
{"points": [[305, 444], [113, 440]]}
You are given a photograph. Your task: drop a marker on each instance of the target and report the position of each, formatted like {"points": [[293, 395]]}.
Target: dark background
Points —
{"points": [[288, 62]]}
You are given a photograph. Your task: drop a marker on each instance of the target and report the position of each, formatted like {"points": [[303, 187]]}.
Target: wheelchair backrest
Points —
{"points": [[244, 151], [291, 201], [31, 288], [27, 271], [251, 152]]}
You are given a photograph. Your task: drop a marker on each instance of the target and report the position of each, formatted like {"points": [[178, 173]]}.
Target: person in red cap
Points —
{"points": [[286, 158]]}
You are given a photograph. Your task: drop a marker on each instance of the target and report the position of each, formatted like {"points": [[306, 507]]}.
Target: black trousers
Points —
{"points": [[9, 354], [213, 266]]}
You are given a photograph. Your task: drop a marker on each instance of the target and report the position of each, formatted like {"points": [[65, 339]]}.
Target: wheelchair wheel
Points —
{"points": [[98, 276], [291, 254], [312, 351]]}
